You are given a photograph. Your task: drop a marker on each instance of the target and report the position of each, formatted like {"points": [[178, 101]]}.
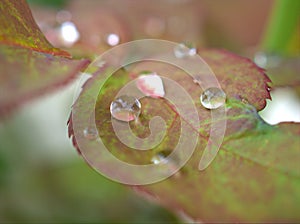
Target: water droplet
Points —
{"points": [[113, 39], [151, 85], [125, 108], [90, 133], [197, 80], [212, 98], [100, 63], [168, 164], [157, 159], [183, 51], [161, 157], [69, 33]]}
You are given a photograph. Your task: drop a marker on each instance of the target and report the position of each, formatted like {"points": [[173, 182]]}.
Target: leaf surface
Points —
{"points": [[255, 172], [18, 28], [29, 64]]}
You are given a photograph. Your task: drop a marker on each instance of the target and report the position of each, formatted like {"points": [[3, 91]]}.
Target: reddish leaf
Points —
{"points": [[27, 65], [25, 74], [18, 28], [256, 171], [252, 179], [94, 22]]}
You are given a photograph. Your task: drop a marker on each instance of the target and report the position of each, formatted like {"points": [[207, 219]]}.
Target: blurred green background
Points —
{"points": [[42, 178]]}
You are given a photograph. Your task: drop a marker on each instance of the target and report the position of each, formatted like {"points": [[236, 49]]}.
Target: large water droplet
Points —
{"points": [[183, 51], [125, 108], [151, 85], [213, 98], [90, 133]]}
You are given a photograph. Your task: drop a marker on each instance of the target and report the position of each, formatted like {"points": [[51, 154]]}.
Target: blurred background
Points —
{"points": [[43, 179]]}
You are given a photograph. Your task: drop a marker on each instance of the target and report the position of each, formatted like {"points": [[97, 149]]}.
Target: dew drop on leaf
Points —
{"points": [[125, 108], [151, 85], [167, 163], [159, 158], [90, 133], [212, 98], [183, 51]]}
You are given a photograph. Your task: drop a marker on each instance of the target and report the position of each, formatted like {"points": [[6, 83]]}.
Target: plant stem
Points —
{"points": [[282, 26]]}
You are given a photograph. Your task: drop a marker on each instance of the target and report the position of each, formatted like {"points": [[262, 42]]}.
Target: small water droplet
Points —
{"points": [[125, 108], [213, 98], [100, 63], [113, 39], [159, 158], [90, 133], [197, 80], [182, 51], [168, 164], [150, 84]]}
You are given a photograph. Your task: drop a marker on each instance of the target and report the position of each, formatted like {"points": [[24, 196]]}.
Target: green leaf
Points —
{"points": [[255, 175], [252, 179], [282, 25], [29, 65]]}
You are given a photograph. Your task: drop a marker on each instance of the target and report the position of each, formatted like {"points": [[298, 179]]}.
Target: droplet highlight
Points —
{"points": [[90, 133], [212, 98], [159, 158], [113, 39], [183, 51], [69, 33], [151, 85], [125, 108], [167, 163]]}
